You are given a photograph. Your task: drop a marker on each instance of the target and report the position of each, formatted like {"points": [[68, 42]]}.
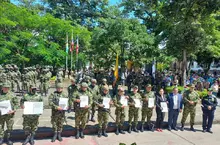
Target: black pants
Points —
{"points": [[160, 118], [208, 115], [172, 117]]}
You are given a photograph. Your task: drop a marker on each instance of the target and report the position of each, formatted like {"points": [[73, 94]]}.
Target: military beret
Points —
{"points": [[59, 85], [84, 85], [148, 85]]}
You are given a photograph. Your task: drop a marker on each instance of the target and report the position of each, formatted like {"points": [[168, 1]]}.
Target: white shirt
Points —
{"points": [[175, 102]]}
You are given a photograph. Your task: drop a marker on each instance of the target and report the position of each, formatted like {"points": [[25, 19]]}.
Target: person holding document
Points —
{"points": [[8, 106], [58, 111], [103, 103], [83, 101], [175, 105], [148, 105], [160, 110], [134, 106], [30, 122], [120, 102]]}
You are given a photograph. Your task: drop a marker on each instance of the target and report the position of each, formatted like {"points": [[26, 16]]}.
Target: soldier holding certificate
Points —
{"points": [[134, 101], [8, 116], [83, 101], [148, 105], [58, 112], [120, 102], [103, 110], [30, 122]]}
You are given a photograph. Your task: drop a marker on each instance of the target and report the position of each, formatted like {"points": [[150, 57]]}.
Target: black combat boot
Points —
{"points": [[182, 128], [26, 140], [81, 134], [59, 136], [117, 131], [192, 128], [135, 129], [142, 127], [129, 129], [32, 138], [104, 132], [77, 134], [92, 118], [99, 133], [121, 130], [54, 137]]}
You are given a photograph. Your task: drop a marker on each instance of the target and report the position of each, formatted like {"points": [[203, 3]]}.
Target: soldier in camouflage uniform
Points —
{"points": [[190, 98], [119, 111], [25, 80], [59, 78], [73, 88], [30, 122], [44, 79], [103, 115], [58, 114], [94, 89], [104, 83], [81, 114], [146, 111], [133, 111], [9, 117], [17, 78], [2, 76]]}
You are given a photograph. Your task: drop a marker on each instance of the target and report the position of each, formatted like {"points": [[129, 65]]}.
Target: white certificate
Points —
{"points": [[150, 102], [84, 101], [137, 103], [164, 106], [5, 107], [124, 101], [106, 102], [63, 103], [33, 108]]}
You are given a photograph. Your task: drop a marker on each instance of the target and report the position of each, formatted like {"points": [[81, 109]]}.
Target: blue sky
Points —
{"points": [[113, 2]]}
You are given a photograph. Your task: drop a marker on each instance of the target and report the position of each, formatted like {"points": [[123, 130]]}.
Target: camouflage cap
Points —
{"points": [[135, 86], [73, 80], [6, 85], [84, 85], [149, 85], [192, 86], [106, 88], [59, 85], [210, 89], [93, 81]]}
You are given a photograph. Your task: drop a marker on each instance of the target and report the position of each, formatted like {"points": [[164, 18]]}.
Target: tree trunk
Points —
{"points": [[184, 68]]}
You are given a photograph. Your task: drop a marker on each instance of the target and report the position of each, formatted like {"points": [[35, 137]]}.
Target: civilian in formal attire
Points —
{"points": [[160, 97], [175, 104]]}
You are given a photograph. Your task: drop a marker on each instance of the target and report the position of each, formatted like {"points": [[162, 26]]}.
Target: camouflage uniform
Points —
{"points": [[57, 116], [189, 108], [81, 114], [17, 78], [147, 112], [133, 111], [30, 122], [103, 113], [7, 118], [25, 80], [94, 89], [71, 90], [44, 79]]}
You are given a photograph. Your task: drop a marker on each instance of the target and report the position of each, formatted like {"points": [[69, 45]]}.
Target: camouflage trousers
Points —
{"points": [[30, 123], [81, 118], [133, 114], [9, 120], [120, 116], [57, 120], [44, 87], [103, 118], [186, 112], [146, 112], [25, 86]]}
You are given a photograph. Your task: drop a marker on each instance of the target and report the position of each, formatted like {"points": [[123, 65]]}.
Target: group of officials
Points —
{"points": [[96, 94]]}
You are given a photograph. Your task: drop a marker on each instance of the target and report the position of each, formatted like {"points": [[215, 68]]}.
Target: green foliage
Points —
{"points": [[170, 89]]}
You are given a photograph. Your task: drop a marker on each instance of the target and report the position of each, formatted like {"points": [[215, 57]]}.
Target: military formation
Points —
{"points": [[88, 95]]}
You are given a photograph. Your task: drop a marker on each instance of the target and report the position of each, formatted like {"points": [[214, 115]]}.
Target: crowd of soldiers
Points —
{"points": [[96, 91]]}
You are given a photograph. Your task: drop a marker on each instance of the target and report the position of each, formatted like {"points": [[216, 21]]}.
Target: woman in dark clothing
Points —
{"points": [[160, 97]]}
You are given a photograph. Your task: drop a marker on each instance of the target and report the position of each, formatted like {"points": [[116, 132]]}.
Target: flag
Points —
{"points": [[154, 68], [116, 68], [77, 45], [72, 43], [67, 46]]}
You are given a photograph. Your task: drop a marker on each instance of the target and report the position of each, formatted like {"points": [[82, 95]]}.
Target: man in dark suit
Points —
{"points": [[175, 104]]}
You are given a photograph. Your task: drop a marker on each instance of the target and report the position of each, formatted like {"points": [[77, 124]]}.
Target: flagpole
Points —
{"points": [[77, 51], [71, 66], [66, 52]]}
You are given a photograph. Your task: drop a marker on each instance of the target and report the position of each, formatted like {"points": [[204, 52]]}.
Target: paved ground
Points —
{"points": [[146, 138]]}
